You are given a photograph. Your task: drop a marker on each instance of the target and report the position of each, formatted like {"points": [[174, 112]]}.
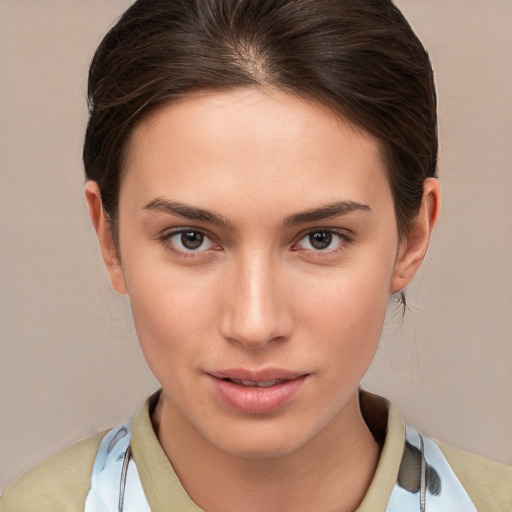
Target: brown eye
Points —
{"points": [[320, 239], [186, 241], [192, 240]]}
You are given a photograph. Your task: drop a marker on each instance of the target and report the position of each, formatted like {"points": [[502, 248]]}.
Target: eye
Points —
{"points": [[324, 240], [187, 240]]}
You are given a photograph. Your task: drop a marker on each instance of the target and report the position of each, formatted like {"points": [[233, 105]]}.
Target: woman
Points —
{"points": [[261, 178]]}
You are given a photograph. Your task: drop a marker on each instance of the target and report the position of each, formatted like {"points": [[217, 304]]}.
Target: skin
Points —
{"points": [[257, 293]]}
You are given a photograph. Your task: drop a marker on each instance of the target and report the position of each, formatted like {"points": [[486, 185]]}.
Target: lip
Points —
{"points": [[251, 399]]}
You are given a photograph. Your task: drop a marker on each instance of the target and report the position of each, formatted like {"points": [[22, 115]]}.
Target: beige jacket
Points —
{"points": [[62, 483]]}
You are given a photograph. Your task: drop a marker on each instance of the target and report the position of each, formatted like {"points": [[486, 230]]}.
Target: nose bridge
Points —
{"points": [[255, 313]]}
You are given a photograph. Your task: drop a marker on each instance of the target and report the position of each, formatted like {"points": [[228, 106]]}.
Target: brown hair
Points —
{"points": [[360, 57]]}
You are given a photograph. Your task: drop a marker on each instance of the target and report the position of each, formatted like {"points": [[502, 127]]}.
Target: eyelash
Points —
{"points": [[186, 253], [343, 240], [165, 239]]}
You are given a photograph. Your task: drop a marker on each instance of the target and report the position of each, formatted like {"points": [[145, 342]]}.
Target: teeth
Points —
{"points": [[261, 384], [267, 383]]}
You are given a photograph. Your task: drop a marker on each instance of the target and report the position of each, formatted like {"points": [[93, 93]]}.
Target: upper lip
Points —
{"points": [[262, 375]]}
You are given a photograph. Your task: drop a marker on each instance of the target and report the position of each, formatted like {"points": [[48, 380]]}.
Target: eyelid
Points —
{"points": [[345, 235], [166, 236]]}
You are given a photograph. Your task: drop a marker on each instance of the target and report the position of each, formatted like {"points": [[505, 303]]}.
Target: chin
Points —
{"points": [[269, 442], [259, 449]]}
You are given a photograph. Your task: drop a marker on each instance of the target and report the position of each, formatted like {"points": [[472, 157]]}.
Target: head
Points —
{"points": [[360, 58], [261, 181]]}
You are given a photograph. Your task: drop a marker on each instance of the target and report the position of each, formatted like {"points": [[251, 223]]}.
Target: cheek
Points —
{"points": [[173, 314], [347, 311], [357, 315]]}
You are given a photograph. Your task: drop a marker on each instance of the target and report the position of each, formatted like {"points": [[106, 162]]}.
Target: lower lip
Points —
{"points": [[256, 400]]}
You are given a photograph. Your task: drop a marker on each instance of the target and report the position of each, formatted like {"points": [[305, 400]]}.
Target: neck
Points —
{"points": [[329, 473]]}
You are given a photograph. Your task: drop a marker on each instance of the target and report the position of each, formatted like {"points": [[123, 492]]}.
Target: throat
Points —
{"points": [[331, 472]]}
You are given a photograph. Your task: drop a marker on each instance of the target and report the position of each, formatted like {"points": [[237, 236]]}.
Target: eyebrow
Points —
{"points": [[161, 204], [328, 211]]}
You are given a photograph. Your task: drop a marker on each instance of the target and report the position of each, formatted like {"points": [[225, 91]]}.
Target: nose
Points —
{"points": [[256, 311]]}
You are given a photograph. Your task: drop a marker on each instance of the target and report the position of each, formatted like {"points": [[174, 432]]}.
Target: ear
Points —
{"points": [[414, 248], [105, 239]]}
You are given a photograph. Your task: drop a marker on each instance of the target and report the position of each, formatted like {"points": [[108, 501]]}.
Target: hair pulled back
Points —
{"points": [[358, 57]]}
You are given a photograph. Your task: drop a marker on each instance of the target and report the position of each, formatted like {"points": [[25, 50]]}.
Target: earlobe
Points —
{"points": [[105, 239], [414, 248]]}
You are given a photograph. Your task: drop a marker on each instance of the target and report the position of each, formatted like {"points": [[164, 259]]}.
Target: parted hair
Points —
{"points": [[359, 57]]}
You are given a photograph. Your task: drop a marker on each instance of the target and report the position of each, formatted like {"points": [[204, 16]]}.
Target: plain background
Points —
{"points": [[69, 360]]}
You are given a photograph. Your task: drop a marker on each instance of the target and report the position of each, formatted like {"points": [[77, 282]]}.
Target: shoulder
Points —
{"points": [[488, 483], [60, 483]]}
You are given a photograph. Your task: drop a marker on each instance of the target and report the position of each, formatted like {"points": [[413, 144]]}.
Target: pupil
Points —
{"points": [[192, 240], [320, 239]]}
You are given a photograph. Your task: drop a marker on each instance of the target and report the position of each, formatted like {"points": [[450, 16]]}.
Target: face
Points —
{"points": [[258, 248]]}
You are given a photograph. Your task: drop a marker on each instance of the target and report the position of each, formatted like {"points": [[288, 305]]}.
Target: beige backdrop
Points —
{"points": [[69, 361]]}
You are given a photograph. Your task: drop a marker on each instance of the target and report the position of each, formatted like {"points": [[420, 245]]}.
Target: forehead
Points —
{"points": [[252, 142]]}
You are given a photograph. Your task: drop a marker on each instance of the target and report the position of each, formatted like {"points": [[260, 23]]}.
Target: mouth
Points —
{"points": [[255, 377], [255, 383], [257, 392]]}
